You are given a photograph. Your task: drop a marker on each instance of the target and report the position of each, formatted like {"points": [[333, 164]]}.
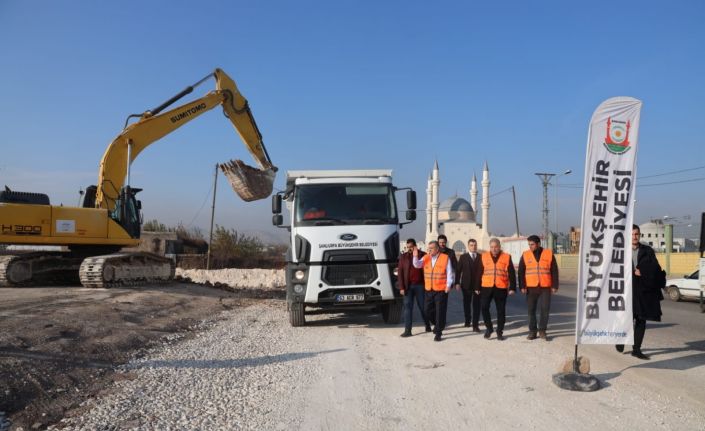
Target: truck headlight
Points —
{"points": [[299, 275], [298, 288]]}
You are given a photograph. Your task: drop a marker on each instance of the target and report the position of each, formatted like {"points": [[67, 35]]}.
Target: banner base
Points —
{"points": [[577, 382]]}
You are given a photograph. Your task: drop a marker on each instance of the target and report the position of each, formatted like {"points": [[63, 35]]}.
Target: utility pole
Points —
{"points": [[516, 214], [210, 240], [555, 200], [545, 180]]}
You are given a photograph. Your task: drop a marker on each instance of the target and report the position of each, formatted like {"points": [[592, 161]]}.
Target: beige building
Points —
{"points": [[574, 240], [457, 217]]}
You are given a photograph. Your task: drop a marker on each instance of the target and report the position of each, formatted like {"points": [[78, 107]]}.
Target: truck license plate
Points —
{"points": [[355, 297]]}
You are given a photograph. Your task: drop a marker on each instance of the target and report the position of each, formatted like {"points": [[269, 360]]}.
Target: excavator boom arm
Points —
{"points": [[154, 125]]}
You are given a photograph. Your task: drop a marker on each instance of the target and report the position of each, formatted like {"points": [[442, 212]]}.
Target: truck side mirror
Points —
{"points": [[411, 200], [411, 215], [277, 205], [277, 219]]}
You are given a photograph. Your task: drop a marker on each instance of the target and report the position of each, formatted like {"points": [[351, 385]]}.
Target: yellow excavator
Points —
{"points": [[109, 218]]}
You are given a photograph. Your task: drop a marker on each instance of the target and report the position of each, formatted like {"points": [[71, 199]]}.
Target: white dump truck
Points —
{"points": [[344, 242]]}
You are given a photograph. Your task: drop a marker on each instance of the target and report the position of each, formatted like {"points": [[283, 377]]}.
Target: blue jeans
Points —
{"points": [[415, 292]]}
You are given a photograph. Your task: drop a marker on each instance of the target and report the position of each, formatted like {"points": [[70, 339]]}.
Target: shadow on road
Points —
{"points": [[681, 363], [229, 363], [348, 319]]}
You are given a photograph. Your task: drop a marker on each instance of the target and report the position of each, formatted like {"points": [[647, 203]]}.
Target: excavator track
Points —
{"points": [[39, 269], [125, 269]]}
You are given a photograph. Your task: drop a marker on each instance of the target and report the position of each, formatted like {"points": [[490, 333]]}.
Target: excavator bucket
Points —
{"points": [[249, 183]]}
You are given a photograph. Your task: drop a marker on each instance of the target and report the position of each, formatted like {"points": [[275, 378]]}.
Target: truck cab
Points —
{"points": [[344, 241]]}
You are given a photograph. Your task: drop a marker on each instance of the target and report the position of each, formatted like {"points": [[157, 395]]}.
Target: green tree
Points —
{"points": [[192, 233], [155, 226], [230, 248]]}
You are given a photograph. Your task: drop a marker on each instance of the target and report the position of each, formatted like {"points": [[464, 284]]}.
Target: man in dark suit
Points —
{"points": [[468, 282], [646, 292], [443, 243], [411, 285]]}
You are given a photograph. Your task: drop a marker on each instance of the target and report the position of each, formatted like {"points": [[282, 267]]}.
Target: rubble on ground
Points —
{"points": [[235, 277]]}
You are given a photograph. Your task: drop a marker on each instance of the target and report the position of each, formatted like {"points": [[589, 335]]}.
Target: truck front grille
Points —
{"points": [[349, 267]]}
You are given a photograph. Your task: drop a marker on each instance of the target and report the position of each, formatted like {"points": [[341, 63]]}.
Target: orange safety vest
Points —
{"points": [[435, 276], [538, 274], [496, 275]]}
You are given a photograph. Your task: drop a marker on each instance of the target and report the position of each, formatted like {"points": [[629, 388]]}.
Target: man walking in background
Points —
{"points": [[443, 244], [438, 280], [411, 285], [468, 282], [498, 280], [538, 279], [647, 280]]}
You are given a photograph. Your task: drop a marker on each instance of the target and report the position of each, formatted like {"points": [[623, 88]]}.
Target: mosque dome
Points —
{"points": [[455, 209]]}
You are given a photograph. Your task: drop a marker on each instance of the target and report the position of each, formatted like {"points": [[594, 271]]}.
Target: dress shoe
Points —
{"points": [[406, 334], [437, 337], [488, 333], [531, 336], [467, 324], [475, 328], [428, 328], [500, 336], [542, 335], [638, 354], [619, 347]]}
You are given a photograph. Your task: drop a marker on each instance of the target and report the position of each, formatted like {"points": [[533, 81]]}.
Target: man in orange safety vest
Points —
{"points": [[538, 279], [497, 282], [439, 275]]}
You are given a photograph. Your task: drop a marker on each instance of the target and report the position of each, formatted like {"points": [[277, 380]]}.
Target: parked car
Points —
{"points": [[686, 287]]}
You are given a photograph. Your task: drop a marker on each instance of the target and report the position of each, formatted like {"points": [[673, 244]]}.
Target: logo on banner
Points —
{"points": [[617, 137]]}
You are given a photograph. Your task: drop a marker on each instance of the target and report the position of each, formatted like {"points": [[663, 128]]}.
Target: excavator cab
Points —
{"points": [[127, 211]]}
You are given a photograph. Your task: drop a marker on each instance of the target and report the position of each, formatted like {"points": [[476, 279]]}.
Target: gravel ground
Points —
{"points": [[251, 370], [233, 375]]}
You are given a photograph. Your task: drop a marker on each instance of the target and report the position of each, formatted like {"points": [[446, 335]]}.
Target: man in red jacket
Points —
{"points": [[411, 285]]}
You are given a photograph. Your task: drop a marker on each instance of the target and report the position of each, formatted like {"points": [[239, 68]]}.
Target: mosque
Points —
{"points": [[455, 217]]}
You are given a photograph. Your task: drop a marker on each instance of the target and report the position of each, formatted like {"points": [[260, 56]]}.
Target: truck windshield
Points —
{"points": [[330, 204]]}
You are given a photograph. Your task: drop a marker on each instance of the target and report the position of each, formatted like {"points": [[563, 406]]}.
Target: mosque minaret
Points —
{"points": [[455, 217]]}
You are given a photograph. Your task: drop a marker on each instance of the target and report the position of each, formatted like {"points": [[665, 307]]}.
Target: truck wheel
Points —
{"points": [[391, 313], [296, 314], [673, 293]]}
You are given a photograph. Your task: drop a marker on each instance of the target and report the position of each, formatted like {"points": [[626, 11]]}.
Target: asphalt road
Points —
{"points": [[377, 380], [676, 345]]}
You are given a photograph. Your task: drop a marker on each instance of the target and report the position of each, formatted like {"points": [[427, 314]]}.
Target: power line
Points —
{"points": [[508, 189], [692, 180], [672, 182], [210, 190], [680, 171], [672, 172]]}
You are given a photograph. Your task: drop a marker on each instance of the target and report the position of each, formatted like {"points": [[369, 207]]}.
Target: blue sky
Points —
{"points": [[355, 84]]}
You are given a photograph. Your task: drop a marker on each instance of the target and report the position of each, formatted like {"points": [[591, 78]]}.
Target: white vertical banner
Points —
{"points": [[604, 314]]}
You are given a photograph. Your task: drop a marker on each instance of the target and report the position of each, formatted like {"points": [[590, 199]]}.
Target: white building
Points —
{"points": [[653, 233]]}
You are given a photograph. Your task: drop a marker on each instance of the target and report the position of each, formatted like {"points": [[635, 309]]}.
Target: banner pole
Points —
{"points": [[603, 313]]}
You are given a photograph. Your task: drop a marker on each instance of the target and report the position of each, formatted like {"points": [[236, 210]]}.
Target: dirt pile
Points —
{"points": [[235, 278]]}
